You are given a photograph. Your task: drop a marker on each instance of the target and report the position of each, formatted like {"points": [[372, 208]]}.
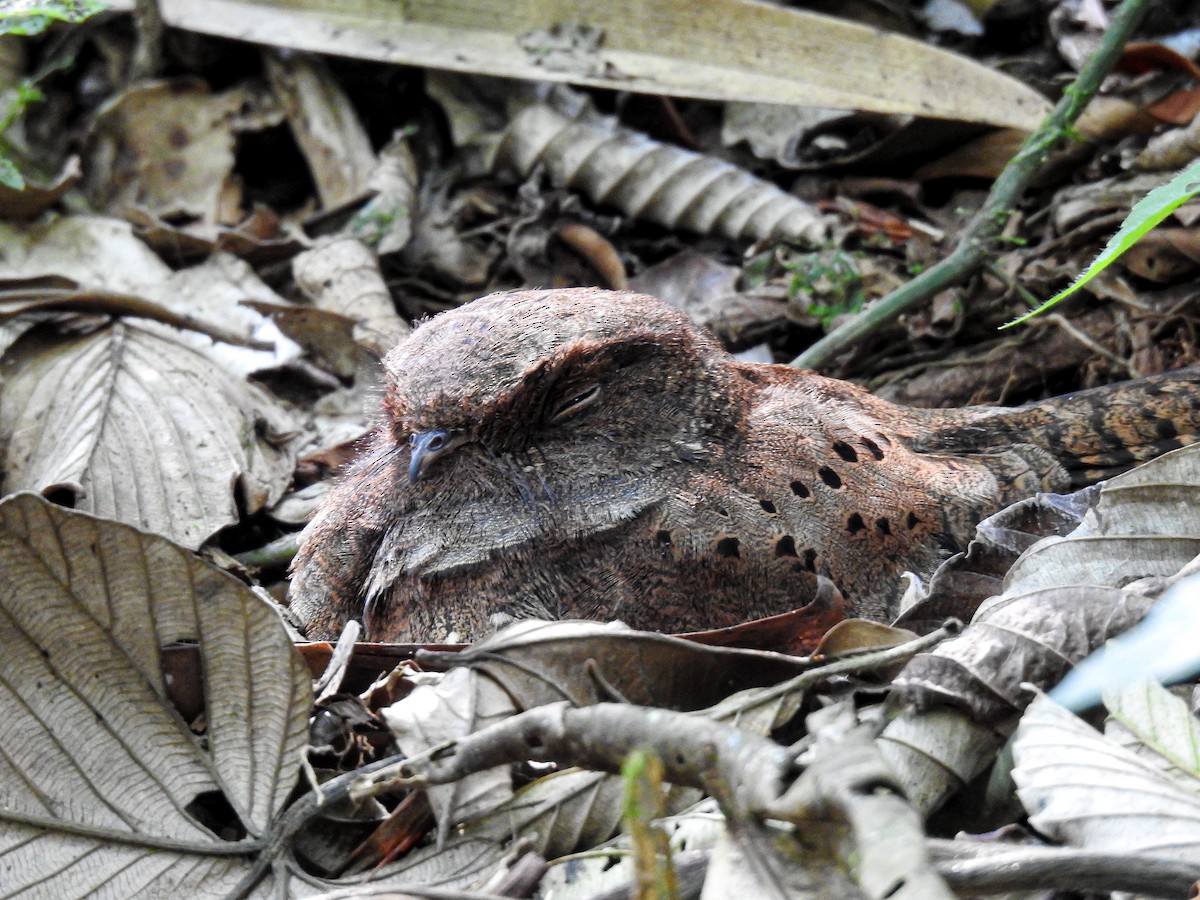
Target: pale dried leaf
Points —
{"points": [[98, 769], [139, 428], [692, 50], [102, 254], [221, 290], [771, 130], [433, 715], [1087, 791], [1099, 559], [386, 221], [93, 251]]}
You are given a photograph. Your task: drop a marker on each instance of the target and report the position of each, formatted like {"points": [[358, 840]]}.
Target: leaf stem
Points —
{"points": [[978, 238]]}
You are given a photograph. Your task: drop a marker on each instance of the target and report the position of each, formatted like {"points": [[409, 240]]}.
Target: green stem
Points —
{"points": [[978, 239]]}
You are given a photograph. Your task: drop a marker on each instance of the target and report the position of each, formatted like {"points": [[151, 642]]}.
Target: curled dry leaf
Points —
{"points": [[1034, 637], [325, 125], [646, 179], [707, 291], [385, 222], [342, 276], [1059, 604], [1060, 600], [964, 581], [102, 782], [34, 199], [131, 424]]}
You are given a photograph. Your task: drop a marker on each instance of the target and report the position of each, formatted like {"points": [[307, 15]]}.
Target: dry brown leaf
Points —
{"points": [[181, 168], [260, 238], [325, 126]]}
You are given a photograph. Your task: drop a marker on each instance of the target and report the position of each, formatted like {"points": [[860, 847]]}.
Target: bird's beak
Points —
{"points": [[426, 446]]}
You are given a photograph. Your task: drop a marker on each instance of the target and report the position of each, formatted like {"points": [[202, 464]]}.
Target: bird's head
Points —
{"points": [[585, 384]]}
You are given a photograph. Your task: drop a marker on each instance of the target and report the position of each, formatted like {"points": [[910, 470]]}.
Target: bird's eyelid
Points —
{"points": [[575, 401]]}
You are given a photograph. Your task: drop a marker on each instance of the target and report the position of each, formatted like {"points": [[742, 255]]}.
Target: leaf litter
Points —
{"points": [[148, 384]]}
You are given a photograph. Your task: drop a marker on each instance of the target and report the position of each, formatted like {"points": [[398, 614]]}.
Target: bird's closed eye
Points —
{"points": [[574, 402]]}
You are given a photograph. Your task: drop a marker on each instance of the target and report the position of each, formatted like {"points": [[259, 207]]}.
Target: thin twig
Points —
{"points": [[147, 52], [1095, 346], [979, 240], [992, 868]]}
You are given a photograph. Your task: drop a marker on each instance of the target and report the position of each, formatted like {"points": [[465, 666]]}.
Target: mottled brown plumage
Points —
{"points": [[591, 454]]}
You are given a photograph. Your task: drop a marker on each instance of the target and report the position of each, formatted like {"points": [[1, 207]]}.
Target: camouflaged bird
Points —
{"points": [[590, 454]]}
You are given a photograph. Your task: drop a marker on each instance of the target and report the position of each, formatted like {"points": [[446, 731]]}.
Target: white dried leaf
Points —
{"points": [[1089, 792]]}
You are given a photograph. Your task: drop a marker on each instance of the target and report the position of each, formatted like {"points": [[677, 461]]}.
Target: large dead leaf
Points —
{"points": [[135, 426], [101, 781], [719, 50], [1091, 792], [167, 147], [585, 662]]}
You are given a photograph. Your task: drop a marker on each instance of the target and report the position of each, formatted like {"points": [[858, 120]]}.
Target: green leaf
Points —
{"points": [[1146, 213], [1160, 721], [27, 17], [10, 176]]}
